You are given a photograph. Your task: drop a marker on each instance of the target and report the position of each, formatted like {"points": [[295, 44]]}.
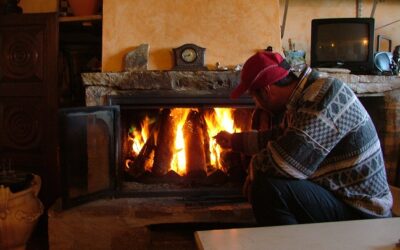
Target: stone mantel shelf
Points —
{"points": [[151, 79], [369, 84], [101, 84]]}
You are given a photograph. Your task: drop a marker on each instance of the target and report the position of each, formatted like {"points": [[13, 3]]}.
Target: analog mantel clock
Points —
{"points": [[189, 57]]}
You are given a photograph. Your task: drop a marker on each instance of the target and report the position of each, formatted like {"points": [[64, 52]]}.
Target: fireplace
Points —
{"points": [[154, 144], [167, 144], [94, 150], [96, 141], [133, 197]]}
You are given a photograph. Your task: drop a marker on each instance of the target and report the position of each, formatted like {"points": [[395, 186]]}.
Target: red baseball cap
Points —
{"points": [[262, 69]]}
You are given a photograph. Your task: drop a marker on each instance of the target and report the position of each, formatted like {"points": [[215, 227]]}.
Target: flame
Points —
{"points": [[138, 137], [179, 160], [218, 120], [221, 119]]}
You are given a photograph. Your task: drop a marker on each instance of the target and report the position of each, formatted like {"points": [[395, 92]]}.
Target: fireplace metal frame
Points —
{"points": [[148, 100], [157, 99]]}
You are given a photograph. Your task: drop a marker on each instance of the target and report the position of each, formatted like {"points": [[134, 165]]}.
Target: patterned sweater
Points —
{"points": [[326, 137]]}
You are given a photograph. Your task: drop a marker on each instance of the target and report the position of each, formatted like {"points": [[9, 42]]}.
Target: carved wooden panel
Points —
{"points": [[28, 96], [22, 55], [21, 123]]}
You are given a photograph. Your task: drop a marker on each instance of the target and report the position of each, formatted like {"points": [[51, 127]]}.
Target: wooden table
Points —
{"points": [[352, 235]]}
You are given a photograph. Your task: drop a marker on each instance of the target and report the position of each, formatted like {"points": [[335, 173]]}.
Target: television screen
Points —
{"points": [[343, 43]]}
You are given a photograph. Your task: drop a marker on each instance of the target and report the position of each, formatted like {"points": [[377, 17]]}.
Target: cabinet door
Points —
{"points": [[28, 96]]}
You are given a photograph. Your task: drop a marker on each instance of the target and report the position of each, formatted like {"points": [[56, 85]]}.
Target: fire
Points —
{"points": [[215, 121], [179, 160], [222, 119], [138, 137]]}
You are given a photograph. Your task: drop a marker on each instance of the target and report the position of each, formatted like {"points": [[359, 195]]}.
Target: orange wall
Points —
{"points": [[230, 30], [299, 16]]}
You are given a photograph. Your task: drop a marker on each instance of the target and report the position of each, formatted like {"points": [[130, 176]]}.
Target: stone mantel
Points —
{"points": [[100, 85], [369, 84]]}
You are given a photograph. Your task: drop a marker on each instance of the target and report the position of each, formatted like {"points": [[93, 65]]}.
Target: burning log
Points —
{"points": [[194, 144], [206, 139], [138, 167], [243, 118], [165, 144]]}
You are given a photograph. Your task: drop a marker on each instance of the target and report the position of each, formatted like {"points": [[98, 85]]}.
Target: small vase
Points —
{"points": [[84, 7], [19, 213]]}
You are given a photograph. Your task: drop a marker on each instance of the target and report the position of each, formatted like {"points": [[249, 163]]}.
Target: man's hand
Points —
{"points": [[224, 139]]}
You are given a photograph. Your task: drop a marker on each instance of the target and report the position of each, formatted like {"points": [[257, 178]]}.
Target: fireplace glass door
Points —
{"points": [[88, 146]]}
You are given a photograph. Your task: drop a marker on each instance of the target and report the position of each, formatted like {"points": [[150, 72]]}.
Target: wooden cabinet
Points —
{"points": [[41, 58], [29, 97]]}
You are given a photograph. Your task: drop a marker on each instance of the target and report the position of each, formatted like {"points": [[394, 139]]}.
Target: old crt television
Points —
{"points": [[343, 43]]}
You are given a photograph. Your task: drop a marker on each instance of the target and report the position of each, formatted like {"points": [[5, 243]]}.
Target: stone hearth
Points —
{"points": [[141, 223]]}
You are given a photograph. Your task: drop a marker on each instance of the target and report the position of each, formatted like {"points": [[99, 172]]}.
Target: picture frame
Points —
{"points": [[384, 44]]}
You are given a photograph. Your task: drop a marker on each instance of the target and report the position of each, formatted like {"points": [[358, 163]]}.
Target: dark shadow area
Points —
{"points": [[177, 236]]}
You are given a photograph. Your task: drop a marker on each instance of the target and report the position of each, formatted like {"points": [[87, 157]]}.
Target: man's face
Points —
{"points": [[273, 98]]}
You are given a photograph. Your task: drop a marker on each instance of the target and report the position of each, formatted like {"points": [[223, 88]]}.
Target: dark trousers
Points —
{"points": [[284, 202]]}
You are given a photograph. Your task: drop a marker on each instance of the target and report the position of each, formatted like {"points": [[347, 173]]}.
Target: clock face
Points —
{"points": [[189, 55]]}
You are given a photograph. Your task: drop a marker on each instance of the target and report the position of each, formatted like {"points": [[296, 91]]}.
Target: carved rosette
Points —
{"points": [[22, 126], [20, 57]]}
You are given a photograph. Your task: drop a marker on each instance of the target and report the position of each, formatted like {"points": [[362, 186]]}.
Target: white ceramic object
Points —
{"points": [[19, 213]]}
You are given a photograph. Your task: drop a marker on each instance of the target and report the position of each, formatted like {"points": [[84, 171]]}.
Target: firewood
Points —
{"points": [[165, 144], [194, 145], [242, 118], [206, 139], [138, 167]]}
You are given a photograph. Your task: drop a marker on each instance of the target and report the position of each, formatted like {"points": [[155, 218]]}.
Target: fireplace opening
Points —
{"points": [[176, 145], [154, 145], [168, 145]]}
